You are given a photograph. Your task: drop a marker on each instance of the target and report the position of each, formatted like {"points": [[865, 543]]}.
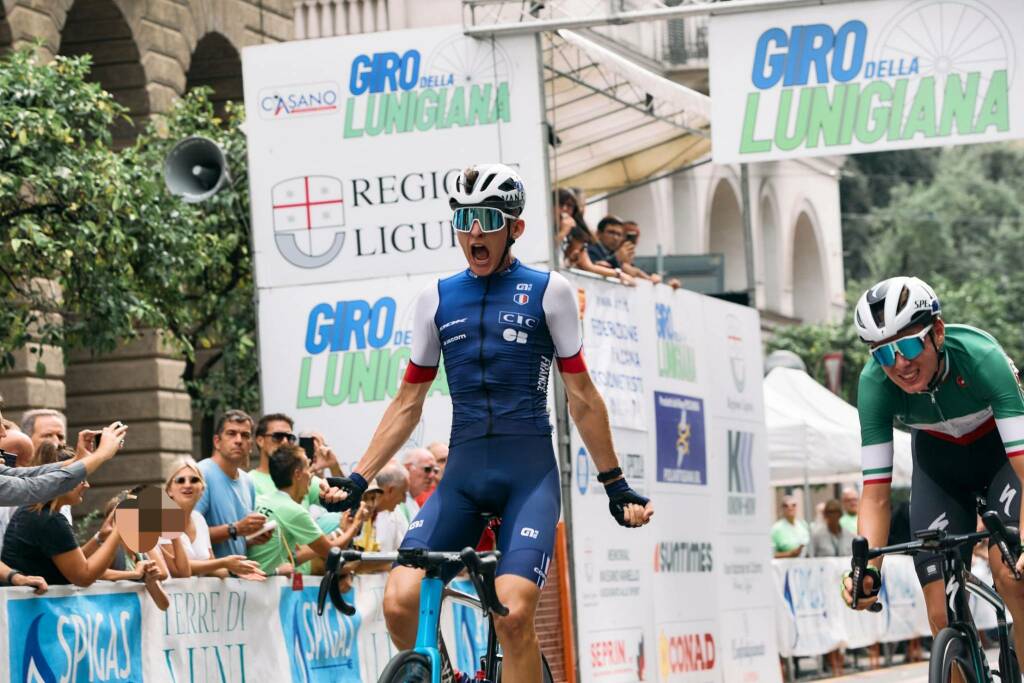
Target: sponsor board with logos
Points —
{"points": [[215, 631], [700, 554], [354, 143], [333, 357], [616, 655], [747, 644]]}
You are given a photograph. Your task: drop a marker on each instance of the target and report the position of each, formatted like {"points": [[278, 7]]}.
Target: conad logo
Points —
{"points": [[688, 652]]}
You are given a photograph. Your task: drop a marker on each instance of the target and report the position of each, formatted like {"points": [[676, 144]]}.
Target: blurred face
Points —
{"points": [[19, 444], [850, 501], [234, 444], [789, 509], [278, 432], [832, 516], [483, 250], [392, 496], [611, 237], [422, 473], [186, 488], [440, 452], [49, 428], [574, 251], [913, 376], [303, 475], [631, 229]]}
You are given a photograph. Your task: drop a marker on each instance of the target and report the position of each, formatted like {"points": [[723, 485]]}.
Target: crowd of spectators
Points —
{"points": [[243, 520], [610, 252]]}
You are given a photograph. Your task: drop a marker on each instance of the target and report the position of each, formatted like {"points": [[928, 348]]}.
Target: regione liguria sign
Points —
{"points": [[865, 76], [355, 142]]}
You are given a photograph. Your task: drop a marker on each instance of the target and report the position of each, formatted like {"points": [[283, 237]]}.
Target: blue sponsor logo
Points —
{"points": [[526, 322], [679, 420], [321, 649], [384, 72], [582, 470], [356, 324], [84, 638]]}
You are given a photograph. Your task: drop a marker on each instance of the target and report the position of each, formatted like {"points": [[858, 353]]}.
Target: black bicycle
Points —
{"points": [[426, 660], [958, 645]]}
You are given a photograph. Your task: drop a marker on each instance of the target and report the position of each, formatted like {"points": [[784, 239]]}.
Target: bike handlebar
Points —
{"points": [[482, 570], [934, 541]]}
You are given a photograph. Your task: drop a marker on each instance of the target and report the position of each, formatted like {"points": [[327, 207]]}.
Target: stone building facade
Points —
{"points": [[146, 53]]}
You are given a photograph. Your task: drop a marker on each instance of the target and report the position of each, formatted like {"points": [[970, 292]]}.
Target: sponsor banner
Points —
{"points": [[215, 631], [355, 142], [333, 357], [739, 463], [618, 655], [735, 331], [812, 618], [614, 342], [743, 570], [864, 77], [680, 443], [67, 637], [678, 314], [688, 651], [747, 645]]}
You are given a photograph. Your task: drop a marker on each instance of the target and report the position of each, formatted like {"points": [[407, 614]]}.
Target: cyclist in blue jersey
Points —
{"points": [[501, 326]]}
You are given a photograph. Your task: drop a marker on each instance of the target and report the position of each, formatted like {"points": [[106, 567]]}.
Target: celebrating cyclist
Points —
{"points": [[957, 391], [501, 326]]}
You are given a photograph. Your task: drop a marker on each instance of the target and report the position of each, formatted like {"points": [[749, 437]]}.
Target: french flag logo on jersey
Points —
{"points": [[521, 299]]}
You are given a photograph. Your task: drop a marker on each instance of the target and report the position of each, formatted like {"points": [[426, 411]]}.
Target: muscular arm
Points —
{"points": [[874, 515], [400, 418], [587, 409]]}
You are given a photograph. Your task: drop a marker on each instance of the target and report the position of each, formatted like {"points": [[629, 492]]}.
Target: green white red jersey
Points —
{"points": [[978, 392]]}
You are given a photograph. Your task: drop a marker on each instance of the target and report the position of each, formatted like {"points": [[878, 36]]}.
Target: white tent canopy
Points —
{"points": [[814, 436]]}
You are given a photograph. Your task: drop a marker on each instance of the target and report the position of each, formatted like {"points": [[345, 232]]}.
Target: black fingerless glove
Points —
{"points": [[619, 496], [354, 485]]}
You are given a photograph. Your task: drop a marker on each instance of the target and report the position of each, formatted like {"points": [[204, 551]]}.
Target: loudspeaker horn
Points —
{"points": [[196, 169]]}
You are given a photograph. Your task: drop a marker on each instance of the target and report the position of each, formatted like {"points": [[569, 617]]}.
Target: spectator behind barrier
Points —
{"points": [[574, 253], [389, 524], [276, 429], [40, 541], [28, 486], [789, 534], [185, 486], [850, 500], [297, 538], [229, 497], [440, 451], [422, 468], [605, 249], [631, 236], [567, 214], [831, 539], [44, 424]]}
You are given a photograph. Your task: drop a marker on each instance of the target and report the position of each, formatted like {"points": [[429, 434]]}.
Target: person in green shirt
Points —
{"points": [[297, 539], [789, 534], [850, 499]]}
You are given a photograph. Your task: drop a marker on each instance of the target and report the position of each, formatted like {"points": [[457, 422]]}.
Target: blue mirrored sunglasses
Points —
{"points": [[490, 219], [908, 347]]}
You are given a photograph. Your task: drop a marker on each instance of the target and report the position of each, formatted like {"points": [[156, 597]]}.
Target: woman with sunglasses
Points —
{"points": [[185, 486], [957, 391], [503, 327]]}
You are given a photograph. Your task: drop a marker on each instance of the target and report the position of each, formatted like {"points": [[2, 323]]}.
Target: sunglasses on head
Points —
{"points": [[490, 219], [191, 480], [909, 347], [283, 436]]}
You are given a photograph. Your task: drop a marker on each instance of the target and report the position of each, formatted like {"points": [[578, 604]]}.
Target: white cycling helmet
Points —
{"points": [[893, 305], [493, 185]]}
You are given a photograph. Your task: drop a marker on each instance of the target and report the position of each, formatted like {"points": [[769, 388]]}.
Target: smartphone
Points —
{"points": [[269, 526], [631, 237], [10, 459], [307, 445]]}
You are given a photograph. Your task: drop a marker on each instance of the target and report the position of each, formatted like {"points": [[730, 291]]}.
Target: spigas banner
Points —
{"points": [[865, 76]]}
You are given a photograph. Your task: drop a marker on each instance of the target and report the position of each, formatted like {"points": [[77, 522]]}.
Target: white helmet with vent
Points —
{"points": [[493, 185], [893, 305]]}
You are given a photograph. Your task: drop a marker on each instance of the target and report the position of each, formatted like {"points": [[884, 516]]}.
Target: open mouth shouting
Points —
{"points": [[479, 254]]}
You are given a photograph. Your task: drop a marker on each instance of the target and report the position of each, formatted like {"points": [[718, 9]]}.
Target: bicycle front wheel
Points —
{"points": [[407, 667], [951, 651]]}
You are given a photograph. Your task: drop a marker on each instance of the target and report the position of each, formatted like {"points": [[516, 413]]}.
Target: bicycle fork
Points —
{"points": [[431, 589]]}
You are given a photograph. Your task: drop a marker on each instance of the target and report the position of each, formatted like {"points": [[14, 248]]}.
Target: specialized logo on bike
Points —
{"points": [[679, 422]]}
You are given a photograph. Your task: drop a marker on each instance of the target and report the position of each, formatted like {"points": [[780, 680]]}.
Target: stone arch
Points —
{"points": [[772, 247], [810, 286], [725, 232], [98, 28], [216, 64]]}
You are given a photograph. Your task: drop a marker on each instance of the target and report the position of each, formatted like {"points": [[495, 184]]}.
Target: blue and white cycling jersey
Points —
{"points": [[499, 336]]}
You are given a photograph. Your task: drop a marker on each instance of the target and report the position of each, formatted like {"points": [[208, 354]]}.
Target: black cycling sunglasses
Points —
{"points": [[283, 436]]}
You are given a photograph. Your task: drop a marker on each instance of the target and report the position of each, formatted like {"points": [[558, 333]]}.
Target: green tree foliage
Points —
{"points": [[957, 224], [100, 224]]}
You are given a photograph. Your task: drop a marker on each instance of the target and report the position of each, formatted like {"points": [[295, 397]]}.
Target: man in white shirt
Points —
{"points": [[390, 525], [421, 466]]}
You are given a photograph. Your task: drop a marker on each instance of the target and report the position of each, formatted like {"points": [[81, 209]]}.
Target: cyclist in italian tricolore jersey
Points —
{"points": [[957, 391], [500, 326]]}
